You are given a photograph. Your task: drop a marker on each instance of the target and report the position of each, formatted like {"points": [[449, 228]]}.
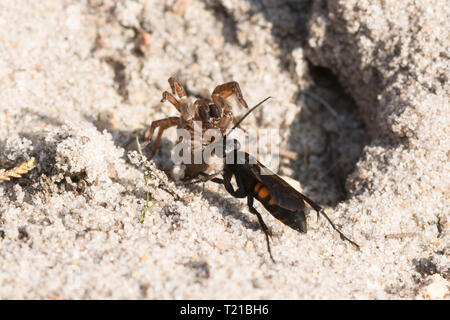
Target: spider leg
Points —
{"points": [[169, 97], [225, 121], [227, 115], [177, 88], [239, 126], [225, 109], [162, 124], [227, 89], [221, 103]]}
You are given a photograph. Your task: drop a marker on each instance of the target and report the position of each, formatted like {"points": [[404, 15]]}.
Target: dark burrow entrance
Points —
{"points": [[327, 136]]}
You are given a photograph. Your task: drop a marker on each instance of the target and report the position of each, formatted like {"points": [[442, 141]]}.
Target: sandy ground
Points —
{"points": [[361, 96]]}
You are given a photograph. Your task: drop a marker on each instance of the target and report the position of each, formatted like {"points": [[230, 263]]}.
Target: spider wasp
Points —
{"points": [[255, 181]]}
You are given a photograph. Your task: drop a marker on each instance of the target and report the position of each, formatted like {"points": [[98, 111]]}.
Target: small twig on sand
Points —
{"points": [[16, 172]]}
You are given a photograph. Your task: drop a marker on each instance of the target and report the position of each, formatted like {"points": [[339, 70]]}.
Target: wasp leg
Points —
{"points": [[217, 180], [319, 211], [177, 88], [343, 237], [162, 124], [227, 89], [205, 178], [261, 223], [314, 205], [240, 192]]}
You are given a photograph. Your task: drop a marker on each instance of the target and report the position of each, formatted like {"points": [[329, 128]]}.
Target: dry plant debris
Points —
{"points": [[19, 170]]}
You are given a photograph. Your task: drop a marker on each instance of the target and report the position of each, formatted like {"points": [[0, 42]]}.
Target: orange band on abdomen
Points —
{"points": [[257, 187], [263, 193]]}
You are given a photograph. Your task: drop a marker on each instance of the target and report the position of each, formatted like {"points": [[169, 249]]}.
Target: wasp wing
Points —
{"points": [[281, 192], [287, 197]]}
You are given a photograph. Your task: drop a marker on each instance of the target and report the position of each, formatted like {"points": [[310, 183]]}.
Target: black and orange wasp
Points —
{"points": [[278, 197]]}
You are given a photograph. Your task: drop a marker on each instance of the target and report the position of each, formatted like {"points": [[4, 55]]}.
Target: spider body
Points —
{"points": [[212, 114]]}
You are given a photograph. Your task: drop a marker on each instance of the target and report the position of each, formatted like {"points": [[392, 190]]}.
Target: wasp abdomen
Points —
{"points": [[263, 194], [294, 219]]}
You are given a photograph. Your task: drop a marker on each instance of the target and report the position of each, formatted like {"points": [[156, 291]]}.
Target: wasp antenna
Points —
{"points": [[246, 114]]}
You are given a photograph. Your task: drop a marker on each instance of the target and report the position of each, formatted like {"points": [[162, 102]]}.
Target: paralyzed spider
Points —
{"points": [[214, 114]]}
